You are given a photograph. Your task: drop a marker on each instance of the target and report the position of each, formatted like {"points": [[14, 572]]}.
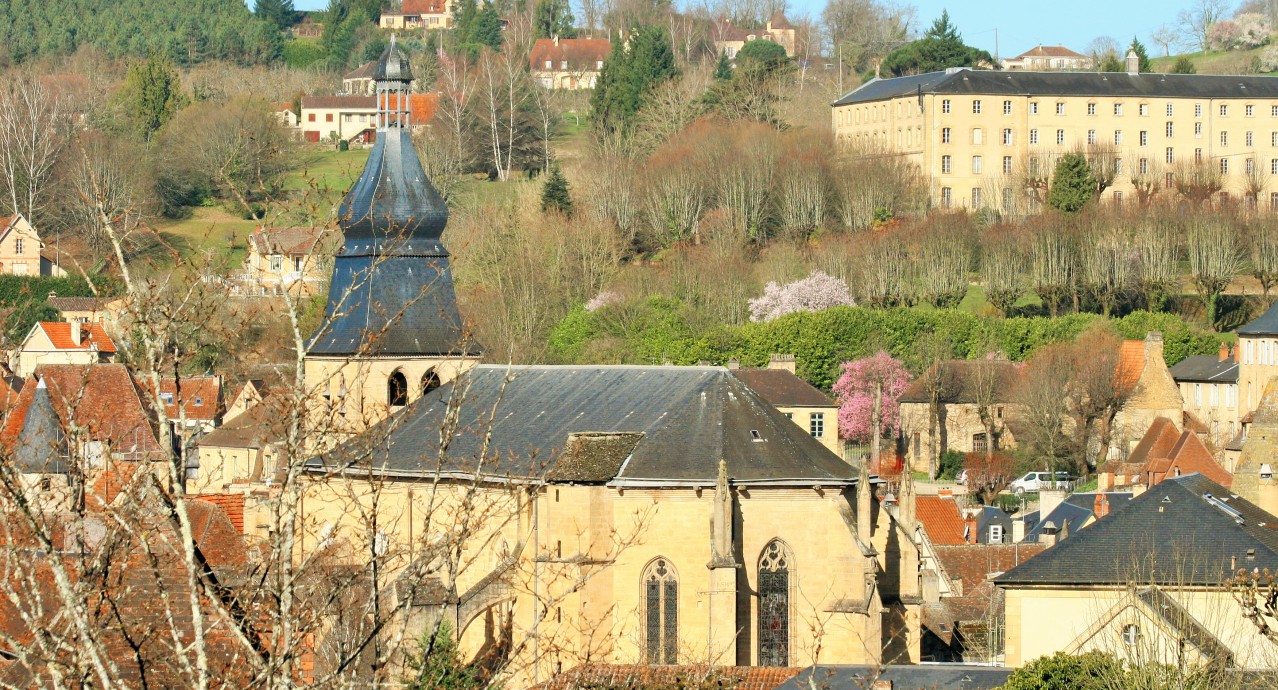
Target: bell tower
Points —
{"points": [[391, 330]]}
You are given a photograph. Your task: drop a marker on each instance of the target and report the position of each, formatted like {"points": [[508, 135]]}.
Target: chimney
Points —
{"points": [[785, 362], [1233, 354], [969, 529], [1100, 506], [734, 363], [52, 294], [1133, 63], [1047, 535], [1224, 352], [556, 39], [945, 493], [75, 332], [1048, 500], [1154, 347], [1018, 530]]}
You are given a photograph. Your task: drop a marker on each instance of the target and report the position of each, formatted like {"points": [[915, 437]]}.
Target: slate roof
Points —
{"points": [[689, 418], [41, 446], [393, 64], [291, 241], [391, 291], [364, 71], [582, 54], [65, 304], [1205, 369], [782, 388], [1265, 324], [941, 519], [960, 380], [1029, 83], [1076, 509], [920, 677], [1171, 534]]}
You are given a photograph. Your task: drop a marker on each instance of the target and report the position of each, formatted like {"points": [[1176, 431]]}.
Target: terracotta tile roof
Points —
{"points": [[782, 388], [231, 504], [201, 397], [941, 519], [1049, 51], [424, 7], [974, 566], [582, 54], [290, 241], [1158, 441], [621, 676], [1190, 456], [216, 535], [422, 106], [1131, 363], [100, 398], [92, 335], [778, 21], [1166, 452]]}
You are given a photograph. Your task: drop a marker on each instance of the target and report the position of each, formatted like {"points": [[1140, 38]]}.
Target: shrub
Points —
{"points": [[951, 463], [1269, 59]]}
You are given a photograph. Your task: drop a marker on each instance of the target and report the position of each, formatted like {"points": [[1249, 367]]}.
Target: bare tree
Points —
{"points": [[1215, 256], [1166, 37], [34, 130], [1105, 262], [1155, 243], [1004, 267], [942, 257], [884, 275], [1053, 266], [1262, 247], [1195, 20], [1197, 181]]}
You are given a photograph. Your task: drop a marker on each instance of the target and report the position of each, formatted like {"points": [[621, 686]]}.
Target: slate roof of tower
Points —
{"points": [[41, 447], [1171, 534], [688, 418], [1047, 84], [1266, 324]]}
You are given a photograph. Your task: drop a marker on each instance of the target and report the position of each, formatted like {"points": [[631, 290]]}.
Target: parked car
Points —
{"points": [[1037, 481], [961, 478]]}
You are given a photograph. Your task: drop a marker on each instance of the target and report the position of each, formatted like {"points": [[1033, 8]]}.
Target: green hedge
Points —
{"points": [[823, 340]]}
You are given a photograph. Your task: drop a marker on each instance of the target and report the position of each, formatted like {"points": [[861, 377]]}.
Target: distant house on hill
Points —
{"points": [[281, 258], [59, 342], [21, 250], [1043, 58], [419, 14], [730, 38], [354, 118], [359, 81], [568, 63], [308, 27]]}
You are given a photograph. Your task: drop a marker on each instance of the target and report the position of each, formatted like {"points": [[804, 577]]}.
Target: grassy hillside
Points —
{"points": [[1214, 62]]}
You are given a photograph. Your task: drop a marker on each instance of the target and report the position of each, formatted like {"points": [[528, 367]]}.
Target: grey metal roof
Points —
{"points": [[41, 446], [1104, 84], [685, 419], [1267, 324], [1205, 369], [1171, 534], [393, 64], [914, 677]]}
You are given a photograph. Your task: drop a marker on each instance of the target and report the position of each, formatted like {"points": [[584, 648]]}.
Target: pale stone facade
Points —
{"points": [[20, 248], [1153, 393], [991, 140]]}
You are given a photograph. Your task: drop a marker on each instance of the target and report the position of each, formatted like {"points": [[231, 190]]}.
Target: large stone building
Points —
{"points": [[1209, 387], [986, 139], [568, 63], [616, 514], [729, 38]]}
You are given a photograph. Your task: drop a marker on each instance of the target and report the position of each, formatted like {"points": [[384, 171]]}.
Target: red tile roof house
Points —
{"points": [[59, 342], [568, 63], [1162, 453], [419, 14], [354, 118]]}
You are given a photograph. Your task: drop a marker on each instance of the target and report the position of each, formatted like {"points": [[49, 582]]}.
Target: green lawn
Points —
{"points": [[1211, 62], [208, 229]]}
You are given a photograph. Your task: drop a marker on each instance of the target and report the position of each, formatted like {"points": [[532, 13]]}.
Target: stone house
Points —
{"points": [[1163, 452], [568, 63], [287, 259], [1043, 58], [106, 311], [1147, 581], [359, 81], [419, 14], [1257, 355], [729, 38], [1151, 392], [795, 398], [1209, 387], [60, 342], [354, 118], [964, 390], [21, 248]]}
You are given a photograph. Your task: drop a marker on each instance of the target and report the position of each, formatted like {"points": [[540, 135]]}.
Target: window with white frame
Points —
{"points": [[1224, 138], [976, 197], [1033, 136], [1118, 198], [947, 197], [1060, 108], [1118, 109], [1060, 137], [1007, 137], [1224, 166], [1169, 155], [1144, 138], [1007, 107], [1118, 166], [1247, 140], [978, 135], [816, 425], [1169, 128], [1118, 137], [1007, 165], [946, 165], [976, 106], [1091, 108], [1144, 166], [1224, 110], [945, 135], [945, 106], [976, 165], [996, 534], [1007, 198], [1273, 111], [1198, 130], [1198, 110], [1247, 111], [1143, 109], [1198, 155], [1250, 166], [1033, 108], [1273, 166], [1169, 110]]}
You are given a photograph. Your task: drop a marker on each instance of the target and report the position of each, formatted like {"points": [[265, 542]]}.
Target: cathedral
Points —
{"points": [[559, 515]]}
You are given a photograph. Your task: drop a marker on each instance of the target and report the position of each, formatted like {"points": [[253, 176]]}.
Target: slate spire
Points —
{"points": [[392, 289]]}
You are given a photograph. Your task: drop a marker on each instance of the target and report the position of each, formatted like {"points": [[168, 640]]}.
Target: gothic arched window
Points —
{"points": [[397, 390], [661, 612], [430, 381], [774, 605]]}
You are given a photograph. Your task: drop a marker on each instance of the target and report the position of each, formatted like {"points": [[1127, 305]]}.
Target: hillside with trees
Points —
{"points": [[188, 32]]}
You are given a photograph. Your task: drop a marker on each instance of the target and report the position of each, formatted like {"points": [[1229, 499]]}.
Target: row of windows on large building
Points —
{"points": [[661, 608], [1249, 165], [904, 108], [979, 198], [1093, 137]]}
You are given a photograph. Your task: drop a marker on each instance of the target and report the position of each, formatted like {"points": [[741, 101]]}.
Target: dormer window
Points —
{"points": [[550, 64]]}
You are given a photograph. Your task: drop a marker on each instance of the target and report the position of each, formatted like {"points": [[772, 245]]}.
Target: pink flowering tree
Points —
{"points": [[814, 293], [855, 393]]}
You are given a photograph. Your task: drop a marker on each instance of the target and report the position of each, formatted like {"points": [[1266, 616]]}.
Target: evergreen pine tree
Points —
{"points": [[553, 18], [943, 29], [555, 195], [1184, 66], [278, 12], [1072, 185], [488, 26], [723, 68], [439, 666], [1139, 48], [153, 94]]}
